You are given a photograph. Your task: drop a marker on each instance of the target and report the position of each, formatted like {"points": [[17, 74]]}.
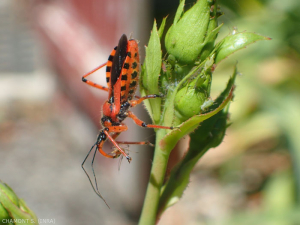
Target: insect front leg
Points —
{"points": [[117, 129], [99, 147]]}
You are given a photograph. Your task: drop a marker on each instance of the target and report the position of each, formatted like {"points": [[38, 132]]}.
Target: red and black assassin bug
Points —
{"points": [[122, 77]]}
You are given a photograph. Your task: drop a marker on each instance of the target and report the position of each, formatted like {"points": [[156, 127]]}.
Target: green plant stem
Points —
{"points": [[157, 176]]}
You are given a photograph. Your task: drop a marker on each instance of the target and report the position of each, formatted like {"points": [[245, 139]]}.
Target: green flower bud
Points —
{"points": [[189, 100], [188, 35], [194, 98], [6, 192], [12, 209]]}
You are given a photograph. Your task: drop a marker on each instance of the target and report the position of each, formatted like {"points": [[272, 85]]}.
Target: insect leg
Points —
{"points": [[92, 83], [121, 151], [143, 124], [114, 136], [99, 147], [140, 99], [135, 143]]}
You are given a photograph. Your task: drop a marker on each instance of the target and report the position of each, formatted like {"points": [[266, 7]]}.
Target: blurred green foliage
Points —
{"points": [[14, 211], [265, 115]]}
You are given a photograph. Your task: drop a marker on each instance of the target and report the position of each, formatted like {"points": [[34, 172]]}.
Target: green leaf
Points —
{"points": [[179, 11], [14, 207], [190, 125], [235, 42], [209, 134], [209, 42], [179, 179], [168, 112], [24, 207], [151, 73], [162, 27], [9, 192], [212, 32]]}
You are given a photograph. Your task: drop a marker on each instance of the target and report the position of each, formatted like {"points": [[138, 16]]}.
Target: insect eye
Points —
{"points": [[103, 136], [105, 119], [125, 105]]}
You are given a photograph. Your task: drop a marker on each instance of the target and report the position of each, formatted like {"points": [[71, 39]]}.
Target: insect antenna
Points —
{"points": [[96, 190]]}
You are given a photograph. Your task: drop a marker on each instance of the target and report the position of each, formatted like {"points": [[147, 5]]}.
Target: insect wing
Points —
{"points": [[118, 61], [130, 72]]}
